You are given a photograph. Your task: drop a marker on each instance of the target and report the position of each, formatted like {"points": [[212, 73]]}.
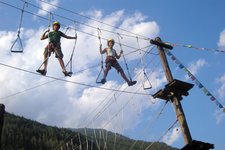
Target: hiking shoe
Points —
{"points": [[103, 81], [131, 83], [42, 71], [69, 74]]}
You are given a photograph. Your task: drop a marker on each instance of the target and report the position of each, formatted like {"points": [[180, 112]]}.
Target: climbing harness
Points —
{"points": [[124, 59], [102, 66], [70, 62], [18, 33]]}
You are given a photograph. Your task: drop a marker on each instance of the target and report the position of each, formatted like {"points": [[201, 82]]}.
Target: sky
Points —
{"points": [[78, 102]]}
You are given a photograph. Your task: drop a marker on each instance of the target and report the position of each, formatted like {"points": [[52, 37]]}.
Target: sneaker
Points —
{"points": [[69, 74], [103, 81], [131, 83], [42, 71]]}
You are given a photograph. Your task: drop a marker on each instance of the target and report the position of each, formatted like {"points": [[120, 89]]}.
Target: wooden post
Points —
{"points": [[176, 102], [2, 112]]}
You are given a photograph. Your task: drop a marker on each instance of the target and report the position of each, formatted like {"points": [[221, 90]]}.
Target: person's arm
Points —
{"points": [[69, 37], [100, 49], [45, 35], [118, 56]]}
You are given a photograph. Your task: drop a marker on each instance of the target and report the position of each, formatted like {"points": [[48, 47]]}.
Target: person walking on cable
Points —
{"points": [[111, 61], [54, 46]]}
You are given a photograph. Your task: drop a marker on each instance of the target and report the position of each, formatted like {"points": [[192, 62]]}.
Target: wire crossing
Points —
{"points": [[74, 82]]}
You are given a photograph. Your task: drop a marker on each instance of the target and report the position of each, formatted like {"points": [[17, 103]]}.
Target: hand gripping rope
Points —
{"points": [[102, 67], [48, 29], [18, 33], [74, 47], [145, 75], [119, 36]]}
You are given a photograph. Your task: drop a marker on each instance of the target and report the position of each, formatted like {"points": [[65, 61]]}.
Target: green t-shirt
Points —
{"points": [[54, 36]]}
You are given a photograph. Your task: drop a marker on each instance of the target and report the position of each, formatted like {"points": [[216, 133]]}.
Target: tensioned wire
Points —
{"points": [[115, 114], [70, 81], [98, 114], [69, 19], [90, 18], [101, 113], [42, 84]]}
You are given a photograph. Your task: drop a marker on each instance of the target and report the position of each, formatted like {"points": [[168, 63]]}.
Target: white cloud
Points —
{"points": [[196, 66], [68, 105], [221, 43], [47, 6], [172, 136], [220, 115], [221, 89]]}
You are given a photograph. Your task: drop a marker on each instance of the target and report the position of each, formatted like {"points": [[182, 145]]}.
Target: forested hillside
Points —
{"points": [[24, 134]]}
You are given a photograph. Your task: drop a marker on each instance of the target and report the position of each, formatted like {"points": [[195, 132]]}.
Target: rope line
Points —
{"points": [[124, 59], [42, 84], [195, 47], [162, 135], [151, 122], [141, 36], [74, 82], [73, 50], [44, 18], [102, 66], [18, 33]]}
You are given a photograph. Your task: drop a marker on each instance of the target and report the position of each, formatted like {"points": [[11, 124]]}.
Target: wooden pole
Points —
{"points": [[176, 103], [2, 112]]}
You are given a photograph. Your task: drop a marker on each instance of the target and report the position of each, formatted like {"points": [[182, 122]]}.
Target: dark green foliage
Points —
{"points": [[108, 141], [23, 134]]}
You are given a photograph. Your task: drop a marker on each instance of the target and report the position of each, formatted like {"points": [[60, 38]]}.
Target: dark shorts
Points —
{"points": [[112, 62], [56, 48]]}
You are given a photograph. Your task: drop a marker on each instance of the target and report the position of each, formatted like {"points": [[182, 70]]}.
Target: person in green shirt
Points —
{"points": [[54, 46]]}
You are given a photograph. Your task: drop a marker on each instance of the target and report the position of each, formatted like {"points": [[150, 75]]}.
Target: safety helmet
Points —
{"points": [[110, 40], [56, 23]]}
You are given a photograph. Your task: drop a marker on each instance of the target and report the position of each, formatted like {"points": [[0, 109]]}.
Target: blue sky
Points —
{"points": [[64, 104]]}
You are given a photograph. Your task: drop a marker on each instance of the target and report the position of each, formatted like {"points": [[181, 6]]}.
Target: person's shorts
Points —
{"points": [[55, 48], [112, 62]]}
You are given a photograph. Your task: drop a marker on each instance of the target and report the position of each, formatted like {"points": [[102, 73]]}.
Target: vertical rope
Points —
{"points": [[18, 33], [119, 36], [74, 47], [80, 146], [143, 64], [85, 131], [102, 66], [48, 29]]}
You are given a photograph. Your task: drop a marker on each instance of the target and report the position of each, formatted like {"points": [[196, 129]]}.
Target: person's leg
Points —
{"points": [[123, 75], [59, 55], [106, 70], [46, 57], [120, 70], [61, 62], [45, 62], [105, 75]]}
